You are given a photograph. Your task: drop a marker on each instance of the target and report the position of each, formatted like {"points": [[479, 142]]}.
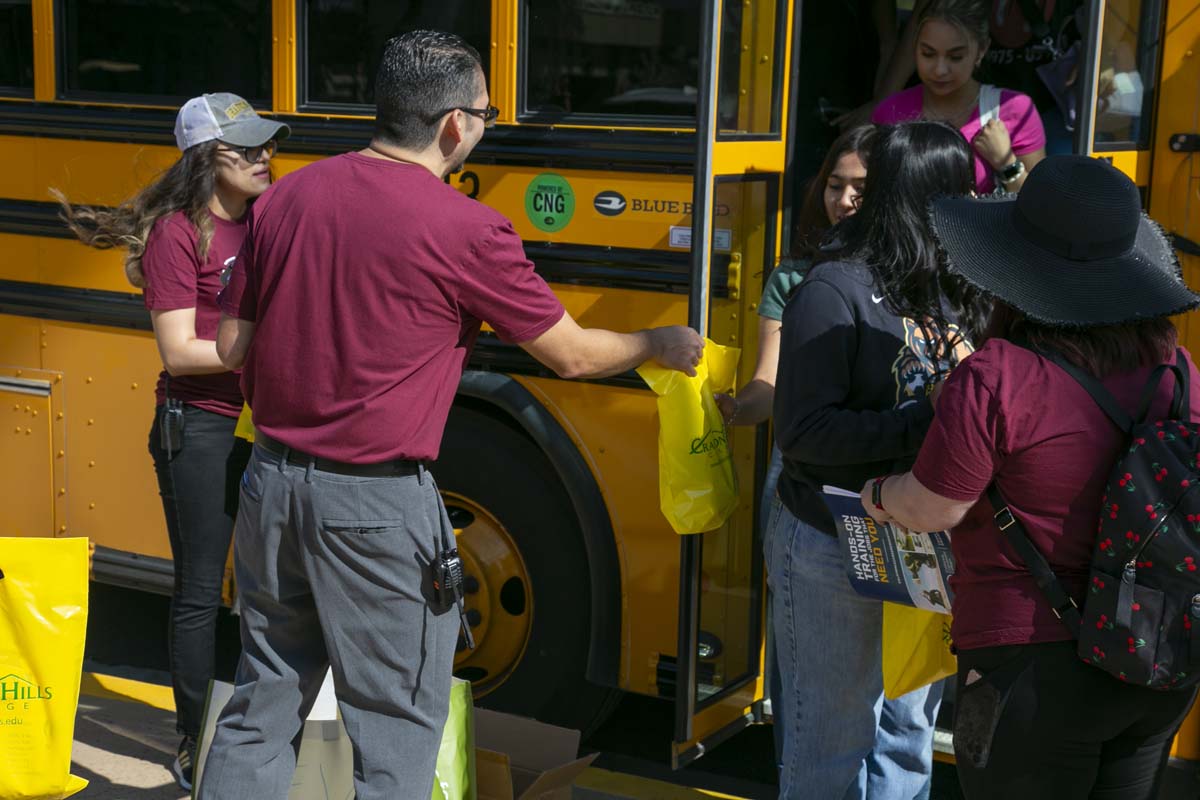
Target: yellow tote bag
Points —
{"points": [[697, 486], [43, 623], [916, 649]]}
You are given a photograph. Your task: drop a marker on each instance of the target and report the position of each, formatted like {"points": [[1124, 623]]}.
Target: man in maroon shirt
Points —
{"points": [[352, 311]]}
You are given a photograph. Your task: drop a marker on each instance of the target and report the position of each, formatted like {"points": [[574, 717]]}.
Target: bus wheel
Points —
{"points": [[527, 586]]}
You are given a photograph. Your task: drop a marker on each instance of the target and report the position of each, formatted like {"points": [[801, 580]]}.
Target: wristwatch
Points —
{"points": [[1012, 172]]}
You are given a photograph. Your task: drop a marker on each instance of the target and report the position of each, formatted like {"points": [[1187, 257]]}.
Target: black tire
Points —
{"points": [[503, 471]]}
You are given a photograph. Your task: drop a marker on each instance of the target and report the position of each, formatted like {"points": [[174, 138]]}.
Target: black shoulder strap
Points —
{"points": [[1108, 404], [1180, 403], [1064, 607]]}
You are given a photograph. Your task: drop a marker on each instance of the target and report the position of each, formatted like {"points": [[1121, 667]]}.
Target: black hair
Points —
{"points": [[1100, 351], [911, 164], [422, 75], [812, 222], [969, 16]]}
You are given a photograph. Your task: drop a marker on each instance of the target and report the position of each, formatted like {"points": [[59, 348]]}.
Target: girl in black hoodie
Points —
{"points": [[853, 400]]}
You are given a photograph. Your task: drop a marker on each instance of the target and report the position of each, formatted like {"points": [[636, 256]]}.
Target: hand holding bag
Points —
{"points": [[696, 480]]}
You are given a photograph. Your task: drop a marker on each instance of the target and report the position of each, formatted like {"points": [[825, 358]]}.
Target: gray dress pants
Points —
{"points": [[334, 571]]}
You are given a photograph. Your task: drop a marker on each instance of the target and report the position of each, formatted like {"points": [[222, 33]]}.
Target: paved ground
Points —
{"points": [[125, 741], [124, 749]]}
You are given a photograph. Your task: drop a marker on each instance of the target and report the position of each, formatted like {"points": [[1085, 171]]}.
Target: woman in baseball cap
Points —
{"points": [[180, 234]]}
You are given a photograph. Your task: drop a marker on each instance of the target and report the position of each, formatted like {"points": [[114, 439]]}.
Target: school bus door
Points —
{"points": [[734, 238]]}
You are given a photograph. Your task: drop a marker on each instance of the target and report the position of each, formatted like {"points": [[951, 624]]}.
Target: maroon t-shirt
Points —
{"points": [[1010, 415], [177, 278], [367, 281]]}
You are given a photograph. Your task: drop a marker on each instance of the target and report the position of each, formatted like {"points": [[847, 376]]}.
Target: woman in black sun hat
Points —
{"points": [[1074, 269]]}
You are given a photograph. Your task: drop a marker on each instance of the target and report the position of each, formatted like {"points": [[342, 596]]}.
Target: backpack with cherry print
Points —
{"points": [[1140, 620]]}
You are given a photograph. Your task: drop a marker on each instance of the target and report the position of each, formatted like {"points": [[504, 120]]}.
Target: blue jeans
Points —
{"points": [[842, 739], [771, 667]]}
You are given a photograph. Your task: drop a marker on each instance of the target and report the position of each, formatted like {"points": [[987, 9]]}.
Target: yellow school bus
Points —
{"points": [[619, 119]]}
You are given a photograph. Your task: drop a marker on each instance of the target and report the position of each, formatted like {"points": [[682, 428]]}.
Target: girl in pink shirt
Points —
{"points": [[1003, 126]]}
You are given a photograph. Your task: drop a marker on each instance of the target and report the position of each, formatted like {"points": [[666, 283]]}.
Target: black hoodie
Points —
{"points": [[850, 400]]}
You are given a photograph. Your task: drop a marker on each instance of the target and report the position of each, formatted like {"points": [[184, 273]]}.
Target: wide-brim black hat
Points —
{"points": [[1072, 250]]}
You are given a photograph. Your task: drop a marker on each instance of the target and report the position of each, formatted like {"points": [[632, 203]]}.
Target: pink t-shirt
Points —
{"points": [[177, 278], [1010, 415], [1017, 112], [367, 281]]}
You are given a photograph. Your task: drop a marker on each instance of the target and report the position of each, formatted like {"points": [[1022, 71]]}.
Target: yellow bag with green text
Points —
{"points": [[697, 486], [43, 623], [916, 649]]}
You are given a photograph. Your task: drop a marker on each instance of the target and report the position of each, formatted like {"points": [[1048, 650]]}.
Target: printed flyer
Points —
{"points": [[887, 562]]}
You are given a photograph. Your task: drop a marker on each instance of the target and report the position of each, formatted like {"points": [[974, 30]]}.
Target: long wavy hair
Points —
{"points": [[812, 223], [187, 186], [910, 164]]}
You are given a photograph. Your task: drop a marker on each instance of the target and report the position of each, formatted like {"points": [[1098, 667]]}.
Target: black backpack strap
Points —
{"points": [[1062, 603], [1180, 403], [1108, 404]]}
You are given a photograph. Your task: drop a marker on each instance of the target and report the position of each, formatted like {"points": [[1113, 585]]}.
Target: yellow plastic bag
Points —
{"points": [[916, 649], [245, 426], [455, 775], [43, 623], [697, 486]]}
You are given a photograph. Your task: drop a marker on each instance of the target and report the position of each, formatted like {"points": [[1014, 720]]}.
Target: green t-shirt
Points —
{"points": [[784, 278]]}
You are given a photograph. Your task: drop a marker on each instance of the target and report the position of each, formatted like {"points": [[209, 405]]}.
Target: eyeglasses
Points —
{"points": [[253, 154], [488, 115]]}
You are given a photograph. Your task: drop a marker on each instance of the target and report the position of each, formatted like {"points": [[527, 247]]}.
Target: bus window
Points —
{"points": [[343, 40], [164, 51], [1128, 69], [751, 68], [611, 58], [16, 47]]}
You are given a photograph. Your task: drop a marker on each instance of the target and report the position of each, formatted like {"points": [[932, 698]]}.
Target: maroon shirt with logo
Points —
{"points": [[367, 281], [177, 278], [1010, 415]]}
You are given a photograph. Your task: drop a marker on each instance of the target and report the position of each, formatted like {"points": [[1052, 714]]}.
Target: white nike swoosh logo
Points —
{"points": [[876, 300]]}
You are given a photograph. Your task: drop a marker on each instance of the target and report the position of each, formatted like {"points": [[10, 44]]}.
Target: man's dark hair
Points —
{"points": [[422, 75]]}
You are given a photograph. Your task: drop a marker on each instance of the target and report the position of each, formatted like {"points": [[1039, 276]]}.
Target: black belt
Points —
{"points": [[395, 467]]}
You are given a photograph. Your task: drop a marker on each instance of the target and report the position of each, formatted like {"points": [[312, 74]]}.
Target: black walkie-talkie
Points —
{"points": [[448, 582], [170, 425]]}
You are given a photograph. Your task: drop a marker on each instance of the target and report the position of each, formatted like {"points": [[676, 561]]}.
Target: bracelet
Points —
{"points": [[877, 491], [1012, 172], [737, 407]]}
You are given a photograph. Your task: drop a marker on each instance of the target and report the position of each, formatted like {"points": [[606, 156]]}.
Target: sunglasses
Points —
{"points": [[253, 154], [488, 115]]}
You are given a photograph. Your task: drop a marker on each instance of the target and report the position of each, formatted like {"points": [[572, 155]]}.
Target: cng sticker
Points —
{"points": [[549, 202]]}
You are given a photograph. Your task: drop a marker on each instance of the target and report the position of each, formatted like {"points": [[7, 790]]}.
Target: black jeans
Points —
{"points": [[199, 489], [1063, 728]]}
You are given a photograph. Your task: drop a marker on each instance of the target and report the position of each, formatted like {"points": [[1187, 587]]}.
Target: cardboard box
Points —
{"points": [[515, 758], [523, 759]]}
